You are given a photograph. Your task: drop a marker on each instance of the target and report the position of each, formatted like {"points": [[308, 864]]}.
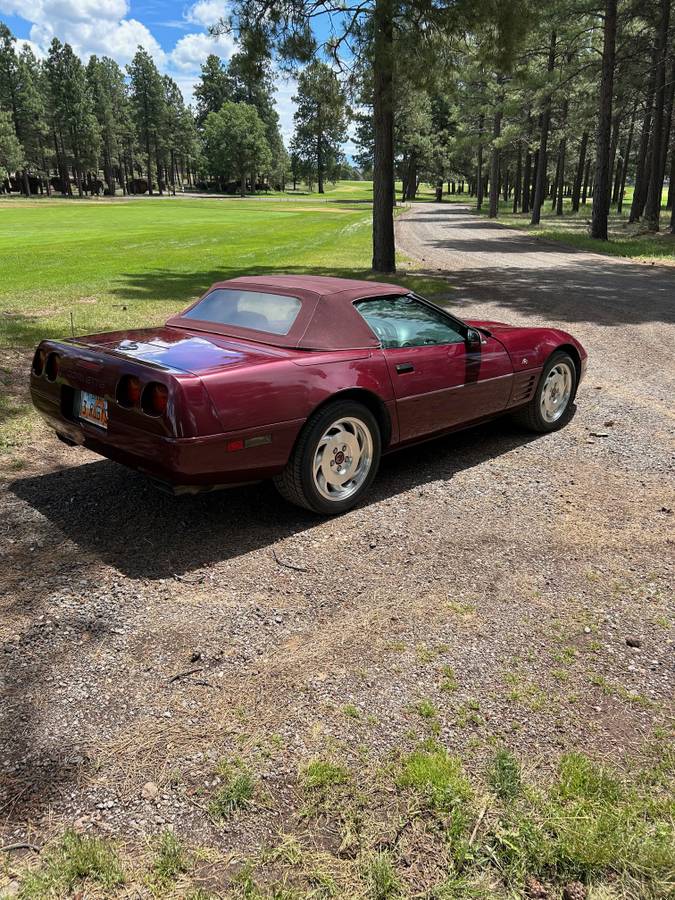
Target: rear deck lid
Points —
{"points": [[178, 350]]}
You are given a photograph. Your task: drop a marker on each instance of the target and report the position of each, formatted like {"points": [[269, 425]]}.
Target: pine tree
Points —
{"points": [[146, 92], [320, 119], [73, 125]]}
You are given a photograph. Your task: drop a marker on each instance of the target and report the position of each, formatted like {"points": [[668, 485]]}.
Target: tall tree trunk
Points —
{"points": [[576, 191], [543, 159], [667, 126], [613, 148], [556, 180], [517, 187], [242, 185], [626, 159], [671, 186], [479, 166], [384, 253], [319, 163], [562, 150], [411, 177], [653, 204], [494, 158], [602, 175], [526, 181], [641, 180], [585, 189]]}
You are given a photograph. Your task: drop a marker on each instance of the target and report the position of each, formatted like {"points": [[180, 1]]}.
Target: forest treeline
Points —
{"points": [[566, 102], [71, 128]]}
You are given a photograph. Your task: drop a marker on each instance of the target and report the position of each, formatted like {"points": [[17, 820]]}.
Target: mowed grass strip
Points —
{"points": [[131, 264]]}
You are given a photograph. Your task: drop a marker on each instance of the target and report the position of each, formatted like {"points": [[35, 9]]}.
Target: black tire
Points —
{"points": [[531, 416], [296, 483]]}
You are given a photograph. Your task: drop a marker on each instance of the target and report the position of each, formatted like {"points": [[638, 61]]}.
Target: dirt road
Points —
{"points": [[521, 565]]}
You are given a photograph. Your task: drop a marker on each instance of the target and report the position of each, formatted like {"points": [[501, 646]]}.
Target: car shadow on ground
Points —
{"points": [[117, 515], [101, 513]]}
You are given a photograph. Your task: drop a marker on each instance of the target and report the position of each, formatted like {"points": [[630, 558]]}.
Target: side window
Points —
{"points": [[405, 322]]}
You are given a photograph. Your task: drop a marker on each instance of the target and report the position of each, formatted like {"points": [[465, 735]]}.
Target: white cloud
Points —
{"points": [[104, 28], [206, 12], [89, 26], [192, 49]]}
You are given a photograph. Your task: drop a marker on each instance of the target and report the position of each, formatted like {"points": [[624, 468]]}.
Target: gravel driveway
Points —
{"points": [[144, 637]]}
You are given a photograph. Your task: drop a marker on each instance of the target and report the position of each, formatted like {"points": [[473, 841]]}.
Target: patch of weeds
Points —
{"points": [[235, 793], [288, 851], [396, 647], [320, 776], [170, 860], [74, 859], [426, 709], [566, 655], [462, 610], [436, 777], [352, 711], [524, 691], [618, 690], [323, 885], [427, 654], [504, 775], [467, 714], [560, 675], [379, 875], [588, 823], [449, 680]]}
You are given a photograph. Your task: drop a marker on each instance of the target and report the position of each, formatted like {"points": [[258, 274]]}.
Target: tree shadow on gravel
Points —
{"points": [[116, 515], [585, 291]]}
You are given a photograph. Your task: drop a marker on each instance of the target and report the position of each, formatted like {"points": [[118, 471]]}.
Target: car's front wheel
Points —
{"points": [[552, 405], [334, 460]]}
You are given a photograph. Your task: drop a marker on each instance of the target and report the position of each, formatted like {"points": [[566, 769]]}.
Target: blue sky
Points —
{"points": [[175, 33]]}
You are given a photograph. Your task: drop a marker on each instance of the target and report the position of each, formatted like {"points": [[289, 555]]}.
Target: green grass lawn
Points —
{"points": [[573, 229], [125, 264], [128, 264]]}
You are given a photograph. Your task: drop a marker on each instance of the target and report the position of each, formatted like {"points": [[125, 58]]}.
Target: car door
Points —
{"points": [[440, 380]]}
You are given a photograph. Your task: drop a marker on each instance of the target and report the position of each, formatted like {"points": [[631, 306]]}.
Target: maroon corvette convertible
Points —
{"points": [[305, 380]]}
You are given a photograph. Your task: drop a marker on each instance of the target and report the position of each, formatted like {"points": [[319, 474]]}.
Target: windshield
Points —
{"points": [[274, 313]]}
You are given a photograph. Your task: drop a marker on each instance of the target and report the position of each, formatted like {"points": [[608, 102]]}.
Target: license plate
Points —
{"points": [[92, 409]]}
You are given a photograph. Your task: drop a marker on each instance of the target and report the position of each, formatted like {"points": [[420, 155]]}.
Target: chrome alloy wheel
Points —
{"points": [[343, 459], [556, 392]]}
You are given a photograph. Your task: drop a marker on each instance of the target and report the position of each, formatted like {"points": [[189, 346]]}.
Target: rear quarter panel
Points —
{"points": [[289, 390]]}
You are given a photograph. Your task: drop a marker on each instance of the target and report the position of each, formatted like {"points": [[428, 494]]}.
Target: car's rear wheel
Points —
{"points": [[552, 405], [334, 460]]}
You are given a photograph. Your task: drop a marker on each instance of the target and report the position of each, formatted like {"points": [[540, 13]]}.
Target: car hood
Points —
{"points": [[179, 350]]}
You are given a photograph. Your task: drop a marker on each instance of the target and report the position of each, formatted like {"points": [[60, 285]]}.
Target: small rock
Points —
{"points": [[12, 889], [575, 890], [634, 642], [587, 630], [535, 889], [150, 791]]}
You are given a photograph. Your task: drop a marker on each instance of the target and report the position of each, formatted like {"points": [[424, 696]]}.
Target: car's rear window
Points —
{"points": [[274, 313]]}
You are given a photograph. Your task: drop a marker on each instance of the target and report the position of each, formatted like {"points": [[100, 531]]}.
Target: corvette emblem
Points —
{"points": [[524, 362]]}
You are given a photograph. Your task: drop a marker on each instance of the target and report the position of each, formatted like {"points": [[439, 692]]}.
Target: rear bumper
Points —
{"points": [[179, 464]]}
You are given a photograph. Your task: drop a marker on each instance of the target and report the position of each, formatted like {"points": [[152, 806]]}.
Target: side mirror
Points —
{"points": [[473, 340]]}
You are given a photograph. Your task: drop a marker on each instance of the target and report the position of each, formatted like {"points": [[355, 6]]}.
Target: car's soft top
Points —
{"points": [[327, 319]]}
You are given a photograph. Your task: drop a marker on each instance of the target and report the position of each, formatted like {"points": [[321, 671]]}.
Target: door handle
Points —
{"points": [[402, 368]]}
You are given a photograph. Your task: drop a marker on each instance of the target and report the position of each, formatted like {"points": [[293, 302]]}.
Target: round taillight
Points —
{"points": [[128, 391], [39, 362], [155, 399], [52, 367]]}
